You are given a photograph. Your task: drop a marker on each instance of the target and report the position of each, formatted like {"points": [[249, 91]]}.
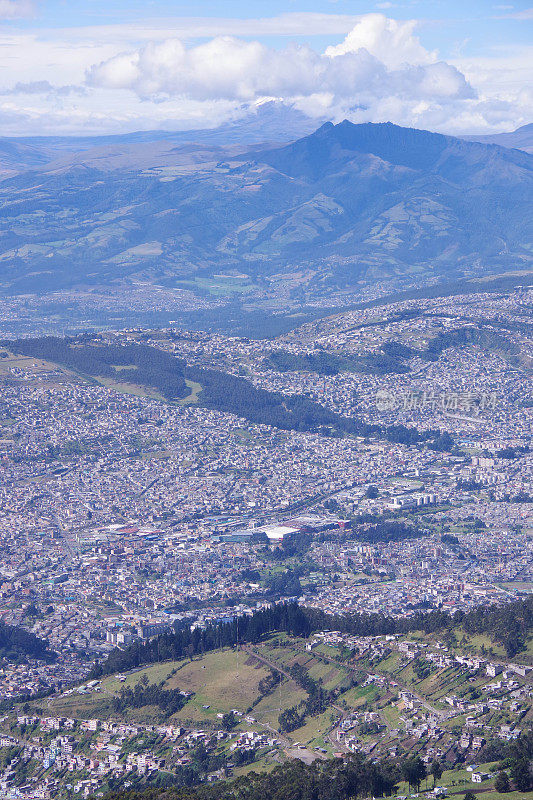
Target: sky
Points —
{"points": [[86, 67]]}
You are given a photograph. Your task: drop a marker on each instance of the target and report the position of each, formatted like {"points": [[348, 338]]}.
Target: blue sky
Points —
{"points": [[470, 24], [116, 65]]}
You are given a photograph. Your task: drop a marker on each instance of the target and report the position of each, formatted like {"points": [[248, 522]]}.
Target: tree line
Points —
{"points": [[332, 779], [508, 625], [183, 643]]}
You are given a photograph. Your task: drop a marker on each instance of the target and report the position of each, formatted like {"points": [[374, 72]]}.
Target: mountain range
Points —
{"points": [[339, 208], [268, 122], [520, 139]]}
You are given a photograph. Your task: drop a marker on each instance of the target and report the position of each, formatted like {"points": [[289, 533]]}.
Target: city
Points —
{"points": [[266, 400]]}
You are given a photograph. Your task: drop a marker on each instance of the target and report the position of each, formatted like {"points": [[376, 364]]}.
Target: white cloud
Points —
{"points": [[390, 40], [525, 14], [107, 111], [187, 28], [43, 87], [504, 86], [152, 76], [378, 59], [16, 9]]}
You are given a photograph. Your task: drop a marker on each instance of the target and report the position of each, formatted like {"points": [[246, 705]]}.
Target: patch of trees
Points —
{"points": [[449, 538], [469, 486], [414, 772], [390, 532], [229, 721], [284, 584], [512, 452], [436, 771], [251, 575], [290, 719], [502, 783], [318, 698], [477, 523], [520, 762], [241, 757], [267, 685], [390, 360], [18, 644], [8, 755], [170, 701], [397, 350], [421, 668], [442, 442]]}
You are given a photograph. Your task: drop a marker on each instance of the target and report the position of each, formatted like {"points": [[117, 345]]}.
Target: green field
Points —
{"points": [[220, 681], [129, 388], [191, 398]]}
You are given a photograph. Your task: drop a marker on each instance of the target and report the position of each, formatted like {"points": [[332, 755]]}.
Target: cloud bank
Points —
{"points": [[378, 71], [379, 64]]}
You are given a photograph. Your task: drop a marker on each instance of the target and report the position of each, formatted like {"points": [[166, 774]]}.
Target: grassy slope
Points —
{"points": [[225, 680], [222, 680]]}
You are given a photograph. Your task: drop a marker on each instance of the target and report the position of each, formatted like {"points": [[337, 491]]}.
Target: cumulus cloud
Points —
{"points": [[393, 42], [379, 71], [16, 9], [379, 59]]}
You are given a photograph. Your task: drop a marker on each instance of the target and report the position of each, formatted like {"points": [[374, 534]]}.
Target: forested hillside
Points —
{"points": [[18, 644], [322, 780]]}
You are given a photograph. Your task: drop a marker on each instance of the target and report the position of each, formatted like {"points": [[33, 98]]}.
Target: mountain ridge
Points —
{"points": [[269, 122], [520, 139], [344, 206]]}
